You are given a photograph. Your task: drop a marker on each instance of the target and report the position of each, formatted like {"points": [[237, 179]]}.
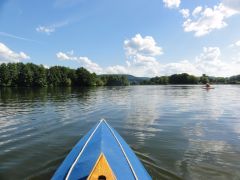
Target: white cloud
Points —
{"points": [[172, 3], [46, 66], [197, 11], [203, 21], [141, 55], [234, 4], [209, 62], [140, 52], [90, 65], [180, 67], [84, 61], [117, 69], [7, 55], [51, 28], [141, 60], [236, 44], [142, 45], [44, 29], [209, 54], [62, 56], [185, 13]]}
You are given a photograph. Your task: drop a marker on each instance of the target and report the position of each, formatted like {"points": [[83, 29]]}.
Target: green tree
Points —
{"points": [[4, 75], [40, 76], [115, 80], [204, 79], [72, 76], [25, 76], [13, 70], [234, 79], [85, 78], [54, 76]]}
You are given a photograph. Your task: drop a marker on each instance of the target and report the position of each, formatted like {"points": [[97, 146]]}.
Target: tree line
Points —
{"points": [[185, 78], [32, 75]]}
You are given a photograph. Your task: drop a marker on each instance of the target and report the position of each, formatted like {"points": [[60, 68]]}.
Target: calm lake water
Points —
{"points": [[178, 132]]}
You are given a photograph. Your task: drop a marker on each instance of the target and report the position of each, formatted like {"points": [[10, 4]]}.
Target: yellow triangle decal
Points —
{"points": [[101, 170]]}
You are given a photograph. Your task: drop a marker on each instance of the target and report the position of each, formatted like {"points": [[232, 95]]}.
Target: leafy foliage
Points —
{"points": [[32, 75], [185, 78], [114, 80]]}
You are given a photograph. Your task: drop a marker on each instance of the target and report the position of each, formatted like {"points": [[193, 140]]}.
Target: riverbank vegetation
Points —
{"points": [[185, 78], [32, 75]]}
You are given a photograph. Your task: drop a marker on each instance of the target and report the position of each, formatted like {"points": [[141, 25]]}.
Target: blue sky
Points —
{"points": [[139, 37]]}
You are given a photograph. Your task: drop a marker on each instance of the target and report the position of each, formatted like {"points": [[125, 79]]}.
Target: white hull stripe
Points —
{"points": [[129, 163], [79, 155]]}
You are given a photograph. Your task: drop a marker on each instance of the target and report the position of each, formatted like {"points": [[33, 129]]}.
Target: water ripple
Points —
{"points": [[178, 132]]}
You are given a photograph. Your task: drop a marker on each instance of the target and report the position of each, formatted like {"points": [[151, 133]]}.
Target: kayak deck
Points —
{"points": [[102, 148]]}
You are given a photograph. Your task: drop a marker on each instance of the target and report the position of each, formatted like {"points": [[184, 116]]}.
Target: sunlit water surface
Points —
{"points": [[178, 132]]}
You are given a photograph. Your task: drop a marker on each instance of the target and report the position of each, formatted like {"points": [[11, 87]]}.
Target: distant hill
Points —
{"points": [[136, 80], [132, 79]]}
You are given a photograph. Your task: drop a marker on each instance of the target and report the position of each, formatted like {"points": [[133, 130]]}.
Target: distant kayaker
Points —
{"points": [[207, 85]]}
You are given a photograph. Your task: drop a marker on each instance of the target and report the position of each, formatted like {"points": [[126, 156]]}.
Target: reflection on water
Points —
{"points": [[178, 132]]}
